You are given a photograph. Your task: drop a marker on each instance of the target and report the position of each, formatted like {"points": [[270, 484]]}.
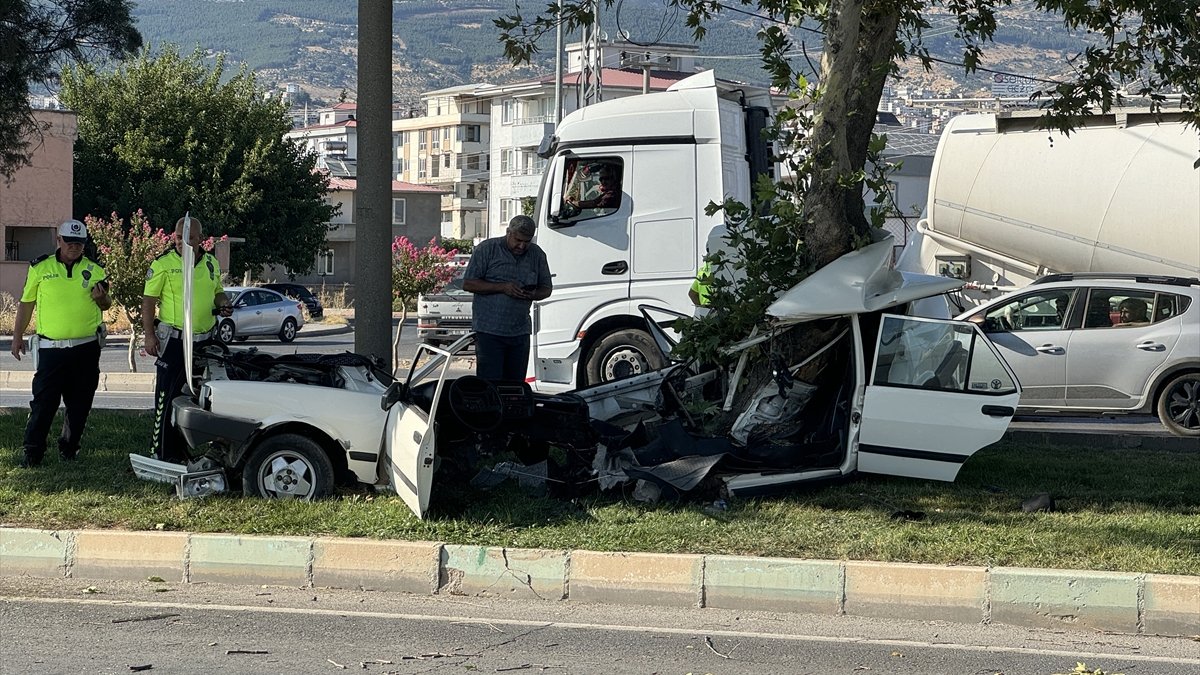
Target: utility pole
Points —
{"points": [[558, 69], [591, 86], [373, 201]]}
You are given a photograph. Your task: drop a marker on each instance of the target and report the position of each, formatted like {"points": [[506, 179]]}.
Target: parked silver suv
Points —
{"points": [[1103, 343]]}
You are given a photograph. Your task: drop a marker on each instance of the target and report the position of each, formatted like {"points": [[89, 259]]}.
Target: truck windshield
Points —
{"points": [[455, 287]]}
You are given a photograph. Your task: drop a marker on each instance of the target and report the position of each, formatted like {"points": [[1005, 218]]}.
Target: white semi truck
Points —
{"points": [[1009, 203], [621, 217]]}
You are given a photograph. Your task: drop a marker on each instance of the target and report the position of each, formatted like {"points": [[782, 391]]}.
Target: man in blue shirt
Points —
{"points": [[506, 274]]}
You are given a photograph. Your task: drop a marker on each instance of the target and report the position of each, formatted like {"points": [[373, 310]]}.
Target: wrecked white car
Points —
{"points": [[887, 394]]}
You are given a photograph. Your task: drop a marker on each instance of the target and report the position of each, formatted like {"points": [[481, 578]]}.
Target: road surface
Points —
{"points": [[76, 626]]}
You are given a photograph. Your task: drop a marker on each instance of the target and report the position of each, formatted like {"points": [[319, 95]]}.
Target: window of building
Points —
{"points": [[446, 161], [435, 138], [325, 263], [399, 207], [435, 168], [471, 133], [421, 139], [508, 112], [447, 216], [508, 209]]}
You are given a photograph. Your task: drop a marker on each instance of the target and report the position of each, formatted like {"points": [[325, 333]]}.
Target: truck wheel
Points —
{"points": [[1179, 405], [288, 466], [621, 354]]}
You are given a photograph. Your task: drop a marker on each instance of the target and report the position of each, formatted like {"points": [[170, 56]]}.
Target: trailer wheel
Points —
{"points": [[620, 354], [1179, 405], [288, 466]]}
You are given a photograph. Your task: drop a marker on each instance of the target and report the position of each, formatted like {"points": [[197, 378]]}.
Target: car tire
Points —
{"points": [[1179, 405], [621, 354], [226, 332], [287, 332], [288, 466]]}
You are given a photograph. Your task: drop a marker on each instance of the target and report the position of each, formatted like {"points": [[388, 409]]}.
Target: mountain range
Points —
{"points": [[441, 43]]}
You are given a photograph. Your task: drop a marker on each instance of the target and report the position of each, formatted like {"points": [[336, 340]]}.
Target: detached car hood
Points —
{"points": [[859, 282]]}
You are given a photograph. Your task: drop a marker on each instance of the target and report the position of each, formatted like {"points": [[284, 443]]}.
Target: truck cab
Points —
{"points": [[621, 216]]}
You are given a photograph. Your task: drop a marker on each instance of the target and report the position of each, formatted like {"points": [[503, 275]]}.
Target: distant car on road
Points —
{"points": [[300, 292], [445, 316], [260, 311], [1103, 343]]}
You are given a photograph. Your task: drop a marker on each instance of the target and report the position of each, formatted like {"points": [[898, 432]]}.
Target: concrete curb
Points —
{"points": [[1122, 602]]}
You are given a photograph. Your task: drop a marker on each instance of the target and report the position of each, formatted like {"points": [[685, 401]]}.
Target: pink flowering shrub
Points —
{"points": [[419, 271], [126, 253]]}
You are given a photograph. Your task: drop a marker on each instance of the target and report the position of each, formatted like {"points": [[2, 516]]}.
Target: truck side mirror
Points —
{"points": [[554, 210]]}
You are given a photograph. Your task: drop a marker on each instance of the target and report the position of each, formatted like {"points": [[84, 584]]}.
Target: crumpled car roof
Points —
{"points": [[859, 282]]}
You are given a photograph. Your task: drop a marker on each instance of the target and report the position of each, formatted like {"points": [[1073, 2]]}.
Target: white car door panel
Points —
{"points": [[1111, 367], [1039, 359], [939, 391], [410, 439]]}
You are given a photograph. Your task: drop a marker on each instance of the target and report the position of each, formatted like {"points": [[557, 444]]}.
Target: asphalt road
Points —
{"points": [[74, 626], [114, 357]]}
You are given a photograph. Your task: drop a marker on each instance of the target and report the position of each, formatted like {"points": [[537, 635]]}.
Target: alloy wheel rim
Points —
{"points": [[1184, 405], [287, 475]]}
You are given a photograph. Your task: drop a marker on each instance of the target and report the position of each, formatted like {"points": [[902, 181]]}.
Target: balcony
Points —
{"points": [[455, 203], [528, 132]]}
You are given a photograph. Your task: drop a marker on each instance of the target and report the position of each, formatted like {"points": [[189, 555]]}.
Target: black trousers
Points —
{"points": [[501, 357], [66, 375], [168, 443]]}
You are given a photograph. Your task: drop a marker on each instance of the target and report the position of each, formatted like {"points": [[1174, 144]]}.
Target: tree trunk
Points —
{"points": [[859, 47]]}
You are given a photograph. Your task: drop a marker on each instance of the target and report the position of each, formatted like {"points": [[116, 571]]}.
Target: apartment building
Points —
{"points": [[37, 199], [522, 114], [444, 143]]}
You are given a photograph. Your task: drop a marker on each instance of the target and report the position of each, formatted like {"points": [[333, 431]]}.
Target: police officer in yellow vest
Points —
{"points": [[69, 291], [164, 288]]}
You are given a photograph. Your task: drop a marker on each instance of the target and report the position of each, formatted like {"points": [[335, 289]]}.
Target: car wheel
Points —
{"points": [[226, 332], [1179, 405], [621, 354], [288, 332], [288, 466]]}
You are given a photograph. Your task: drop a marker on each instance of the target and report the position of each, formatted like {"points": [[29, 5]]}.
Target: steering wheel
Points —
{"points": [[475, 403]]}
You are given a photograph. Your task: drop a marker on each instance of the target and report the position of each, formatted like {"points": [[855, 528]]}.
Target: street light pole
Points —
{"points": [[558, 69]]}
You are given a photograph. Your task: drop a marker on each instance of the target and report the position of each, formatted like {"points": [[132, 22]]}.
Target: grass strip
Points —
{"points": [[1126, 510]]}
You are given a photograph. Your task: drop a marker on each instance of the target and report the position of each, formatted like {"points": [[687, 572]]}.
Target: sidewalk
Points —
{"points": [[1045, 598]]}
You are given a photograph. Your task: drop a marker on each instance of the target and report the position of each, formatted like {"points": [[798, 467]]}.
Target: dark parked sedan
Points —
{"points": [[300, 292]]}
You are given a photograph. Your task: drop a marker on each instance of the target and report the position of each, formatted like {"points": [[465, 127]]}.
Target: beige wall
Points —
{"points": [[37, 198]]}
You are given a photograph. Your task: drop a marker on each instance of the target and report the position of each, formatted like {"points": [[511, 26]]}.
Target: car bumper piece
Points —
{"points": [[200, 426]]}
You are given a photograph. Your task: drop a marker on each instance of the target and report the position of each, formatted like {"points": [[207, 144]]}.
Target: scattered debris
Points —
{"points": [[709, 643], [157, 580], [246, 651], [91, 590], [149, 617], [338, 665], [138, 669], [1042, 502]]}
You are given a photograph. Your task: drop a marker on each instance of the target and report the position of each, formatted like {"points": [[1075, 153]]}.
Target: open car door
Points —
{"points": [[938, 392], [410, 444]]}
